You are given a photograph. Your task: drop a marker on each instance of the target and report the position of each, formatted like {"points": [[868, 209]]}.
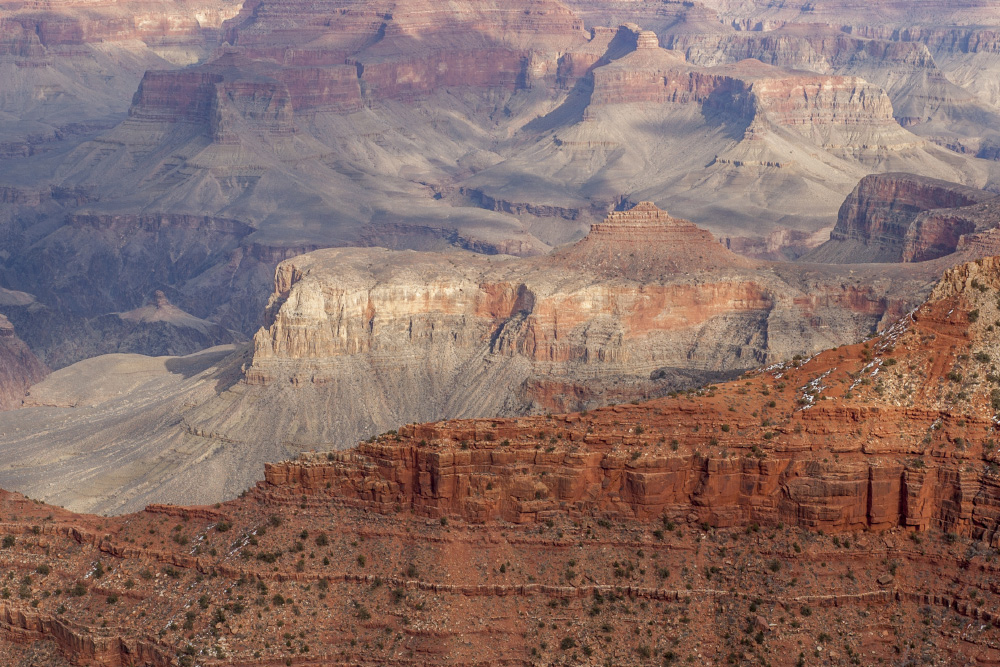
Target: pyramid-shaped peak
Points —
{"points": [[645, 242], [647, 39], [645, 212]]}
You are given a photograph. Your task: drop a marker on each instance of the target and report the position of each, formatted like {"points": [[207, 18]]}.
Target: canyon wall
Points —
{"points": [[362, 340], [492, 127], [904, 217], [842, 442], [332, 305], [19, 367]]}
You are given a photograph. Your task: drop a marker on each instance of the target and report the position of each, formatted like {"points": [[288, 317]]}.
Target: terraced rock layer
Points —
{"points": [[905, 217], [843, 504], [360, 341]]}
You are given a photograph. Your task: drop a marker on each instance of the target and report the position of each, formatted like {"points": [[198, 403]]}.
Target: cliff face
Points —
{"points": [[360, 341], [904, 217], [19, 367], [492, 126], [846, 116], [642, 291], [854, 489], [69, 68], [376, 52], [908, 418]]}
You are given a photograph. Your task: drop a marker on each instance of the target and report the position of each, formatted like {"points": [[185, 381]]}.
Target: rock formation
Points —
{"points": [[903, 217], [70, 68], [492, 126], [360, 341], [853, 493], [760, 141], [19, 368], [910, 443]]}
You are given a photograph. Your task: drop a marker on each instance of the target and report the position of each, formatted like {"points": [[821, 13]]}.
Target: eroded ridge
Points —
{"points": [[806, 510]]}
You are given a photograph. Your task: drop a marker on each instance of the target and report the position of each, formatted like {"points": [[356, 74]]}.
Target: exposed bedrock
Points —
{"points": [[645, 303], [843, 442], [904, 217], [19, 367], [358, 341], [856, 489]]}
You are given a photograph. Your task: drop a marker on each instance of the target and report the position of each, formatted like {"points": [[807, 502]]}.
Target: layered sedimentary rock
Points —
{"points": [[69, 68], [910, 444], [626, 297], [846, 116], [359, 341], [771, 144], [856, 489], [903, 217], [19, 367], [923, 98], [647, 241], [490, 126]]}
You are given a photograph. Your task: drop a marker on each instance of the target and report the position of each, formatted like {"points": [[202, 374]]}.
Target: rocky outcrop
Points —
{"points": [[845, 111], [19, 367], [628, 305], [903, 217], [362, 340], [811, 494], [76, 24], [232, 90], [808, 47], [381, 52], [641, 234], [909, 446]]}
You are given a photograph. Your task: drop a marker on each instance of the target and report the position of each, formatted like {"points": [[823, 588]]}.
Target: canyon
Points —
{"points": [[361, 341], [491, 332], [231, 138], [803, 511]]}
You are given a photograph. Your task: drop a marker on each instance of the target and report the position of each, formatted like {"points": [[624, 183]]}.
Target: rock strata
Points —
{"points": [[362, 340], [904, 217], [854, 489], [912, 446], [19, 367]]}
